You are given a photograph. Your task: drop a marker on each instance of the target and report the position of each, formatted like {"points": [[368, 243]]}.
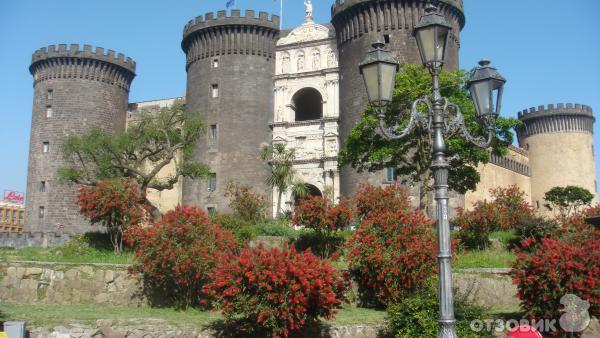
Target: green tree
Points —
{"points": [[366, 150], [283, 175], [567, 200], [152, 141]]}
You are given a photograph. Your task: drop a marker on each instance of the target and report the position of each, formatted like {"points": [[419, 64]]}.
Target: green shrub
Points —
{"points": [[277, 227], [323, 246], [77, 245], [417, 316], [533, 227], [241, 229]]}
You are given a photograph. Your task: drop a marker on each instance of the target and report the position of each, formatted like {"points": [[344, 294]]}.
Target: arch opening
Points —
{"points": [[311, 191], [308, 104]]}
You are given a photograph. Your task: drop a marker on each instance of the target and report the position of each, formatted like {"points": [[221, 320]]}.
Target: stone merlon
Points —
{"points": [[74, 51], [222, 19], [341, 5], [558, 109]]}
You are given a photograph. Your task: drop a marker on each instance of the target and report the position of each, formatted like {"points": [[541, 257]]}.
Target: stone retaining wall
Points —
{"points": [[61, 283], [154, 328], [110, 284]]}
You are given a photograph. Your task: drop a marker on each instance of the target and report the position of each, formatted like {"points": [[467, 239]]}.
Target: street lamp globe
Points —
{"points": [[486, 86], [378, 70], [432, 37]]}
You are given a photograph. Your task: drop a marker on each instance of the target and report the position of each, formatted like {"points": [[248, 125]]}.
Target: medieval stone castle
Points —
{"points": [[253, 84]]}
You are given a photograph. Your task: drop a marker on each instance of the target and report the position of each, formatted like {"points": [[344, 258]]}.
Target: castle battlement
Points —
{"points": [[74, 51], [341, 5], [221, 18], [555, 118], [558, 109]]}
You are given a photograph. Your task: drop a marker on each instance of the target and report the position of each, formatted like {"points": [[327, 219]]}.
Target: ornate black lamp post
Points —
{"points": [[441, 119]]}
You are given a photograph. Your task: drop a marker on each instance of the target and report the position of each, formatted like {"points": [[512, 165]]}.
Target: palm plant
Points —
{"points": [[283, 175]]}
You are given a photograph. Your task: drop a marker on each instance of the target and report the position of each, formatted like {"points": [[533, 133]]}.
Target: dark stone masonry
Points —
{"points": [[75, 90], [230, 67]]}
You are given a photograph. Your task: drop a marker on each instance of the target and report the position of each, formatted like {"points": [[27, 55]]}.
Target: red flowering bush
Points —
{"points": [[476, 225], [279, 291], [117, 205], [370, 200], [176, 255], [393, 252], [507, 210], [322, 215], [511, 206], [247, 204], [557, 267]]}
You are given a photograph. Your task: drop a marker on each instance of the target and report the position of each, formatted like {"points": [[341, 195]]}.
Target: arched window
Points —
{"points": [[308, 104]]}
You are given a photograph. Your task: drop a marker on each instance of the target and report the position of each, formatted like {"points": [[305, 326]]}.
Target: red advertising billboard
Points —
{"points": [[14, 196]]}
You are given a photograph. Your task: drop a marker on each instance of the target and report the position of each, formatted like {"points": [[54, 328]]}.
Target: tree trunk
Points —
{"points": [[279, 193]]}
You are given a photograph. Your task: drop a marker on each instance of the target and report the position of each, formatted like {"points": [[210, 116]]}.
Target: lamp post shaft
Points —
{"points": [[439, 167]]}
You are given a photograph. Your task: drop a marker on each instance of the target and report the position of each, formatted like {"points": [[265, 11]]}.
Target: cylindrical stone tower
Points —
{"points": [[359, 23], [74, 91], [230, 67], [561, 148]]}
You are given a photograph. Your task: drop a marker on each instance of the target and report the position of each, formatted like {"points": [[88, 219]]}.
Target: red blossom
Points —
{"points": [[292, 289], [178, 252]]}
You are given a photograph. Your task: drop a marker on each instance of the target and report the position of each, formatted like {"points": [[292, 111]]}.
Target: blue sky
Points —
{"points": [[549, 53]]}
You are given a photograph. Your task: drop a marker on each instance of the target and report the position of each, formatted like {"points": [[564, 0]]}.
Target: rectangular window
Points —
{"points": [[21, 217], [50, 94], [48, 111], [211, 210], [391, 175], [212, 183], [213, 131], [13, 219], [215, 90], [216, 63], [43, 186], [45, 147], [41, 212]]}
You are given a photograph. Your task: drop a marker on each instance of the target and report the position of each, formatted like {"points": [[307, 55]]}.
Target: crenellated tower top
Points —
{"points": [[74, 51], [235, 18], [555, 118], [340, 6]]}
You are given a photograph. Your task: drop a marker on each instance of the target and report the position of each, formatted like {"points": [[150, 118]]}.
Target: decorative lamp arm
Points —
{"points": [[416, 118], [457, 124]]}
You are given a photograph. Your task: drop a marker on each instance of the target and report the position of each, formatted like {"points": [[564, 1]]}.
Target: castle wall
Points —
{"points": [[358, 24], [512, 169], [244, 51], [164, 200], [89, 89], [561, 151]]}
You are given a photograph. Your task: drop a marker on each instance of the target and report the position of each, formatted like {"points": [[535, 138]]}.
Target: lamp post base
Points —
{"points": [[447, 330]]}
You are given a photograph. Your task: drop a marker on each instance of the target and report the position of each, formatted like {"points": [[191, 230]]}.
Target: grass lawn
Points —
{"points": [[88, 314], [484, 259], [38, 254]]}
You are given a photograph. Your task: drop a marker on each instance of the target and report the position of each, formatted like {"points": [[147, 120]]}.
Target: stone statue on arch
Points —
{"points": [[309, 9]]}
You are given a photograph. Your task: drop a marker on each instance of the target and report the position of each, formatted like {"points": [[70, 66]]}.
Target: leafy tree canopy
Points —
{"points": [[151, 142], [282, 175], [567, 200], [366, 150]]}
